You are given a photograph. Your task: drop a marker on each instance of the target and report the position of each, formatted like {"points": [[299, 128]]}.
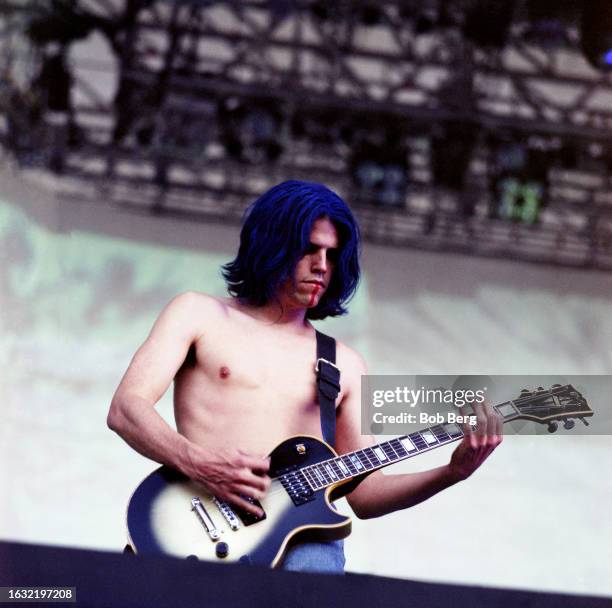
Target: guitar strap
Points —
{"points": [[328, 385]]}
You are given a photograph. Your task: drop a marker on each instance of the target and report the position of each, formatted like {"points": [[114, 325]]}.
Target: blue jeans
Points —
{"points": [[326, 557]]}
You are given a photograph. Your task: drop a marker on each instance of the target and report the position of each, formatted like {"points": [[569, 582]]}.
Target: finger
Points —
{"points": [[481, 424], [260, 464], [491, 422], [247, 491], [258, 482], [468, 435], [499, 424], [239, 501]]}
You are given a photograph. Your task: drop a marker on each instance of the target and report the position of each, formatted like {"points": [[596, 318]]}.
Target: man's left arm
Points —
{"points": [[379, 494]]}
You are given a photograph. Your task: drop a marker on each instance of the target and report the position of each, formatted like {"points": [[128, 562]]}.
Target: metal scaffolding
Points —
{"points": [[216, 101]]}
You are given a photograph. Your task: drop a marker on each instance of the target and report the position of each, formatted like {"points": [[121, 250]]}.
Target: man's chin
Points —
{"points": [[311, 302]]}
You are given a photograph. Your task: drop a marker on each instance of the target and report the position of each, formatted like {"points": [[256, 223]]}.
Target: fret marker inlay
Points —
{"points": [[429, 437], [381, 455], [343, 467], [356, 461], [408, 445]]}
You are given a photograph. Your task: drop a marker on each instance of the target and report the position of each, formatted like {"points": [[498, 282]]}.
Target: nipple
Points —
{"points": [[224, 372]]}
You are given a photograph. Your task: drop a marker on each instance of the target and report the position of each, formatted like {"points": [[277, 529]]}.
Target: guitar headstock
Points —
{"points": [[559, 403]]}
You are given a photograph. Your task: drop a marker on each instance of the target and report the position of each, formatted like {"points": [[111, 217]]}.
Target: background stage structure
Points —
{"points": [[464, 126]]}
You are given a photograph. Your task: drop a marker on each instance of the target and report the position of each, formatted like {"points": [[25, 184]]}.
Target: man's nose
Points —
{"points": [[319, 263]]}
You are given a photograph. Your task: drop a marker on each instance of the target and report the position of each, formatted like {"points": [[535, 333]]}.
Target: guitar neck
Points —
{"points": [[364, 461]]}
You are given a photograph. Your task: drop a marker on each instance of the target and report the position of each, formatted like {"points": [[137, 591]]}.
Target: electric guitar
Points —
{"points": [[170, 514]]}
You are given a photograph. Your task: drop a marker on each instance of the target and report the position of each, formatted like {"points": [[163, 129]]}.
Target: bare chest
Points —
{"points": [[255, 387], [258, 363]]}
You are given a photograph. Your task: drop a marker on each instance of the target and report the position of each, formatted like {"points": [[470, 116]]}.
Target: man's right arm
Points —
{"points": [[133, 416]]}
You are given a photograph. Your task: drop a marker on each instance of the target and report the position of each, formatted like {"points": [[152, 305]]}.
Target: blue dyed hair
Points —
{"points": [[275, 236]]}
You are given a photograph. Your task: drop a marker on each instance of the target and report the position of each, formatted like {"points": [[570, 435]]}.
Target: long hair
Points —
{"points": [[276, 234]]}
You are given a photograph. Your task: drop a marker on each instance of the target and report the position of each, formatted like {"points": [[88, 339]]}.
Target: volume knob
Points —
{"points": [[221, 549]]}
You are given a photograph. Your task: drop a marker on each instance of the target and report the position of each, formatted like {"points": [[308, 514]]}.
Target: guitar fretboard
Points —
{"points": [[359, 462]]}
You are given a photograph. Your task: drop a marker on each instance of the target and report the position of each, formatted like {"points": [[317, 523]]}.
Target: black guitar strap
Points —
{"points": [[328, 385]]}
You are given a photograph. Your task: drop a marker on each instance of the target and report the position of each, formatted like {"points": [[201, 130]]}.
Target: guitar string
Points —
{"points": [[280, 489]]}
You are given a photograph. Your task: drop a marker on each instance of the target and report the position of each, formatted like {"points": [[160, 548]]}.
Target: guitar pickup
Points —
{"points": [[298, 488], [247, 517]]}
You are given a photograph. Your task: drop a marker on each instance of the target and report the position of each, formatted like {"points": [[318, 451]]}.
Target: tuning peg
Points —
{"points": [[556, 386], [552, 427], [568, 424], [586, 422], [540, 388], [525, 392]]}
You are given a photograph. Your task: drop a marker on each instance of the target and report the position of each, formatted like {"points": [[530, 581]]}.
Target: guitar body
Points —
{"points": [[162, 519]]}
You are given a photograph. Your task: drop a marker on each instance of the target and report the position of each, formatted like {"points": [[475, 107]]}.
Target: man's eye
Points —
{"points": [[332, 255], [311, 249]]}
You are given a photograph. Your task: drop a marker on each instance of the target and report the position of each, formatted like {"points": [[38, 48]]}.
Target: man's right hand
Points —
{"points": [[229, 474]]}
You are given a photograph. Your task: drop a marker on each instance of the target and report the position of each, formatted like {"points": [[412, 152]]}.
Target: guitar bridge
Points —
{"points": [[228, 513], [198, 507]]}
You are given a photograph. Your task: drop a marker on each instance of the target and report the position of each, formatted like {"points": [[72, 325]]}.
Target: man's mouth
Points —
{"points": [[319, 283]]}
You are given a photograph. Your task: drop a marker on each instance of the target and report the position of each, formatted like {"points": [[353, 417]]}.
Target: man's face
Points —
{"points": [[314, 270]]}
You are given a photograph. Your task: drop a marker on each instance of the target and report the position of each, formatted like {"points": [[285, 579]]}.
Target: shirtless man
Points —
{"points": [[243, 366]]}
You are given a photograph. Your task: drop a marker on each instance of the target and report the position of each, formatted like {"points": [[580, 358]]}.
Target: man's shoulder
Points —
{"points": [[195, 305], [349, 360], [192, 298]]}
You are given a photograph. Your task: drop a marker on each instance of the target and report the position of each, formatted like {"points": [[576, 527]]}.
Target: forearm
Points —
{"points": [[380, 494], [137, 421]]}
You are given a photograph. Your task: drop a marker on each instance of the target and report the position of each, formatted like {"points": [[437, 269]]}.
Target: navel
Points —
{"points": [[224, 372]]}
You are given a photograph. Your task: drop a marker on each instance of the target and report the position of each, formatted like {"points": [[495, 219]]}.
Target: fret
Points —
{"points": [[330, 471], [440, 433], [380, 453], [409, 444], [429, 437], [453, 430], [319, 477], [342, 465], [398, 447], [309, 477], [324, 474], [372, 457], [338, 471], [365, 461], [349, 464], [356, 462], [312, 475], [418, 441], [389, 451]]}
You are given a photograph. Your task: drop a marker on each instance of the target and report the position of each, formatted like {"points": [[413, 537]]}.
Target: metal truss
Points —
{"points": [[319, 63], [338, 62]]}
